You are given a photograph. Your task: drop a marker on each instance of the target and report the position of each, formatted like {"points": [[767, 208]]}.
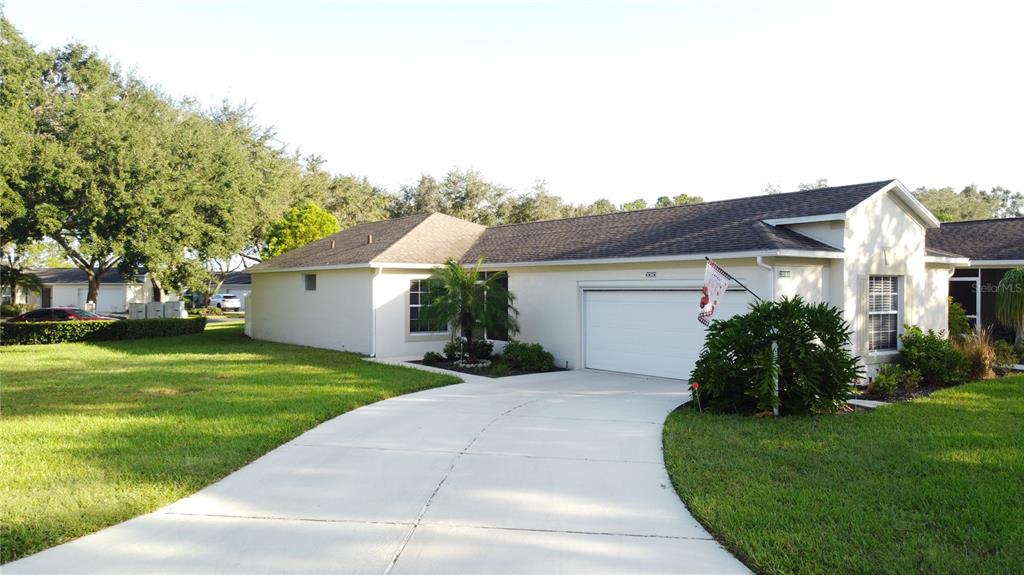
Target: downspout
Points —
{"points": [[771, 272], [373, 311]]}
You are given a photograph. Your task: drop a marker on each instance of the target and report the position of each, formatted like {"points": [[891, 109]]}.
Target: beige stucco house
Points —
{"points": [[620, 292]]}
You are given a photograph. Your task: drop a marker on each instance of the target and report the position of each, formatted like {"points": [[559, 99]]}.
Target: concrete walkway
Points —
{"points": [[547, 473]]}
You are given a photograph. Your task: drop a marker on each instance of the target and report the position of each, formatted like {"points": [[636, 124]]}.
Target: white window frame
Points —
{"points": [[420, 305], [897, 313]]}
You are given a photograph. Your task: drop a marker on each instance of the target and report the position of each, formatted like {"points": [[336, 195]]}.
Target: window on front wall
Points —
{"points": [[883, 312], [310, 280], [419, 300]]}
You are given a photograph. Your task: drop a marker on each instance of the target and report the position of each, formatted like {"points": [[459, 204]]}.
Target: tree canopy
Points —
{"points": [[300, 226], [971, 203]]}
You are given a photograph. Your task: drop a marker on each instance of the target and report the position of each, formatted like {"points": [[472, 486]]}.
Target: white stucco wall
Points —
{"points": [[391, 305], [335, 316], [883, 238], [548, 298], [809, 281]]}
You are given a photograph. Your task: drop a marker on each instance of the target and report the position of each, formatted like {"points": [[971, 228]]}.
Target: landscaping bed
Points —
{"points": [[97, 433], [931, 485], [493, 369]]}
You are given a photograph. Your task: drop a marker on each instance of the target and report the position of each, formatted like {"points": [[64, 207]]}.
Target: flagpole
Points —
{"points": [[758, 298]]}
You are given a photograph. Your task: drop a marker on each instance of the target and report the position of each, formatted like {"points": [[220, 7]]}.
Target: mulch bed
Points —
{"points": [[484, 372], [900, 394]]}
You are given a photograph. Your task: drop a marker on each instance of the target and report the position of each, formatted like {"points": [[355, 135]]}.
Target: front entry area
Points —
{"points": [[648, 332]]}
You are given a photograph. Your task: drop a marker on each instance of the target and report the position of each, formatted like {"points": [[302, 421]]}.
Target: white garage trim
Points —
{"points": [[669, 365]]}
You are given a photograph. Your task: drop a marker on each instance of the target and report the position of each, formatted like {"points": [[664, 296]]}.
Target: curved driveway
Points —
{"points": [[547, 473]]}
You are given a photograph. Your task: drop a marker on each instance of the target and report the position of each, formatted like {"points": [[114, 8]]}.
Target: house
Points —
{"points": [[69, 287], [993, 247], [620, 292], [238, 283]]}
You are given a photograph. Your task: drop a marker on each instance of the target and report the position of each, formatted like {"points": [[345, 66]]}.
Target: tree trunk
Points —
{"points": [[158, 292], [94, 287], [467, 330]]}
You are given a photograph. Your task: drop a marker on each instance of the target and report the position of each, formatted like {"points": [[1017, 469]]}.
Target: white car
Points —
{"points": [[226, 302]]}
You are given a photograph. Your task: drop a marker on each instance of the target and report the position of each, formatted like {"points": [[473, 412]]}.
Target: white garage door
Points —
{"points": [[111, 299], [648, 332]]}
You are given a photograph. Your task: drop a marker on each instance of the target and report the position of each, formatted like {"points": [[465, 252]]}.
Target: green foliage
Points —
{"points": [[300, 226], [13, 309], [500, 369], [938, 361], [468, 300], [1006, 354], [1010, 301], [892, 376], [71, 331], [640, 204], [527, 356], [815, 371], [680, 200], [432, 358], [971, 203], [206, 311], [959, 325], [460, 348]]}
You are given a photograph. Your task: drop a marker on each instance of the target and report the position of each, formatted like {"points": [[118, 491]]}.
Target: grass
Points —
{"points": [[929, 486], [94, 434]]}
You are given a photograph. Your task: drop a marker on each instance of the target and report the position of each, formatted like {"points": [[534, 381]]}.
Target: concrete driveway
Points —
{"points": [[547, 473]]}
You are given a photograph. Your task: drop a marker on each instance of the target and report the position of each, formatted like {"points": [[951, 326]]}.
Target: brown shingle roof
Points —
{"points": [[999, 239], [421, 238]]}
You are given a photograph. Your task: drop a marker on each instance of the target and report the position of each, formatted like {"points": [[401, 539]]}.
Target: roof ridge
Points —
{"points": [[686, 206], [981, 220]]}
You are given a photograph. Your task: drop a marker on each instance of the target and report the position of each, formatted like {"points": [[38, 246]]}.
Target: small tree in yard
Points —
{"points": [[737, 368], [467, 299], [300, 226], [1010, 301]]}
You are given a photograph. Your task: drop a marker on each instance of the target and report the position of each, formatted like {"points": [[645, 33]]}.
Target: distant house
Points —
{"points": [[69, 287], [994, 247], [238, 283]]}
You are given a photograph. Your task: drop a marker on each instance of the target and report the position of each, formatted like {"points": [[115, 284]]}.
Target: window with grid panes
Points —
{"points": [[883, 312]]}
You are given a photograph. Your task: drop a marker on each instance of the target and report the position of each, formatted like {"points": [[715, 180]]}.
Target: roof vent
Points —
{"points": [[332, 244], [369, 238]]}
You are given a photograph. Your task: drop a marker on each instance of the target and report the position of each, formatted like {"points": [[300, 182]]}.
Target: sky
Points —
{"points": [[620, 100]]}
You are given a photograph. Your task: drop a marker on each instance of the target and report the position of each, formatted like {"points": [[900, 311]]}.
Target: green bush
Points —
{"points": [[1005, 352], [13, 309], [736, 368], [432, 357], [456, 349], [934, 356], [500, 369], [206, 311], [28, 333], [893, 376], [959, 325], [528, 356]]}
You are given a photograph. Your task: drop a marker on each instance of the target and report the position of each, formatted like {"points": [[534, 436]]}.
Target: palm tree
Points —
{"points": [[1010, 301], [14, 277], [466, 299]]}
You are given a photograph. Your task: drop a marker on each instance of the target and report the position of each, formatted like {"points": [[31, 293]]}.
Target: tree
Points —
{"points": [[467, 300], [461, 194], [300, 226], [817, 184], [15, 270], [1010, 301], [639, 204], [971, 203], [680, 200], [354, 200]]}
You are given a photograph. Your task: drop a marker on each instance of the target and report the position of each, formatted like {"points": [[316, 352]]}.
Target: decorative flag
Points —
{"points": [[716, 280]]}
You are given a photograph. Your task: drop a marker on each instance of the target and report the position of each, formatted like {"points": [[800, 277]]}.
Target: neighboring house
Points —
{"points": [[620, 292], [238, 283], [994, 247], [69, 287]]}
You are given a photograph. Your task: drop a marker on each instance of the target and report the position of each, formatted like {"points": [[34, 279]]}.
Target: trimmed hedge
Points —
{"points": [[29, 333]]}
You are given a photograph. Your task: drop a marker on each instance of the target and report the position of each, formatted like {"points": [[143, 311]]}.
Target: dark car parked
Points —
{"points": [[59, 314]]}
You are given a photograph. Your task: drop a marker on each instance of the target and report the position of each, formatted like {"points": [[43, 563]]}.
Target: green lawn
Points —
{"points": [[931, 486], [93, 434]]}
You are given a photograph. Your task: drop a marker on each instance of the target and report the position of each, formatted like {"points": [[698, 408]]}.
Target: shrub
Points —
{"points": [[736, 368], [959, 325], [206, 311], [69, 331], [528, 356], [891, 377], [13, 309], [1005, 353], [938, 361], [432, 358], [457, 349], [500, 369], [981, 356]]}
